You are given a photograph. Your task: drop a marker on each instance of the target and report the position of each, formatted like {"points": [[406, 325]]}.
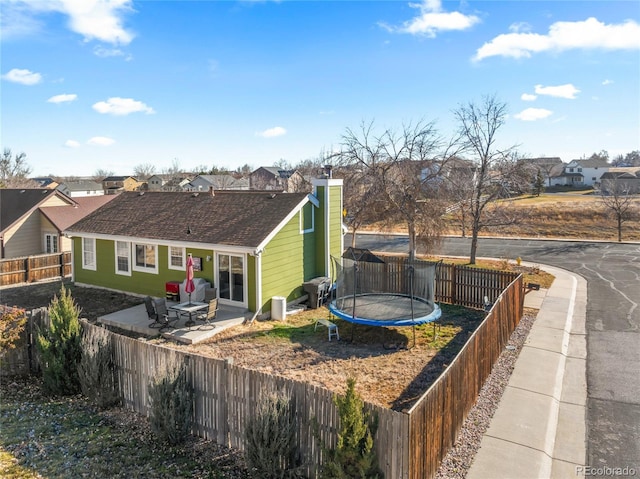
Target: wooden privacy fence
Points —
{"points": [[410, 444], [226, 397], [436, 419], [34, 268], [23, 359], [455, 284]]}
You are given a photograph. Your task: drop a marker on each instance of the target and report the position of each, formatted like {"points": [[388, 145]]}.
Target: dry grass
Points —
{"points": [[578, 215]]}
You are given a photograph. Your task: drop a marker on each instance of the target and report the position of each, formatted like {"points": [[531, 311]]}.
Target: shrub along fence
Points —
{"points": [[410, 444], [34, 268]]}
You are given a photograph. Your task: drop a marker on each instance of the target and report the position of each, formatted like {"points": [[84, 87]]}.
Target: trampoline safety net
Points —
{"points": [[373, 292]]}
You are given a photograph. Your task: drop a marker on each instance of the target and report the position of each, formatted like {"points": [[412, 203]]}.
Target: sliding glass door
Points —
{"points": [[231, 278]]}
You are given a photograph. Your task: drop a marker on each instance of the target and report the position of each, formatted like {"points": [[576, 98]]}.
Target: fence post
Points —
{"points": [[26, 270], [454, 284]]}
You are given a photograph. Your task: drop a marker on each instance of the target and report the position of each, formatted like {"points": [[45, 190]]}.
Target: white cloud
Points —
{"points": [[272, 132], [433, 20], [607, 82], [533, 114], [587, 34], [102, 52], [528, 97], [93, 19], [25, 77], [560, 91], [64, 98], [101, 141], [72, 144], [122, 106]]}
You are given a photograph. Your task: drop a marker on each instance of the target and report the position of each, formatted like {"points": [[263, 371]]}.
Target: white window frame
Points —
{"points": [[52, 240], [89, 253], [117, 255], [144, 269], [183, 266], [245, 286], [313, 219]]}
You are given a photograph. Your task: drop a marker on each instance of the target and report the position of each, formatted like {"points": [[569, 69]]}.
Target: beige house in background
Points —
{"points": [[31, 220], [112, 185]]}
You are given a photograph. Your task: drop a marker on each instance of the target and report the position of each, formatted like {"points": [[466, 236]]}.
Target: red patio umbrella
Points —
{"points": [[189, 286]]}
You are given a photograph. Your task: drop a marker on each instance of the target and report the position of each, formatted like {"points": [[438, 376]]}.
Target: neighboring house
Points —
{"points": [[251, 245], [46, 182], [32, 220], [24, 231], [217, 182], [80, 188], [621, 180], [581, 173], [274, 178], [58, 218], [112, 185], [156, 182], [549, 167]]}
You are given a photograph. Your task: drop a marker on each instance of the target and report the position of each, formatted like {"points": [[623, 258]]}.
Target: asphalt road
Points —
{"points": [[612, 272]]}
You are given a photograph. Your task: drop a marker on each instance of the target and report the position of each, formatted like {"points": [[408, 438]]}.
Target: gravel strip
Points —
{"points": [[458, 460]]}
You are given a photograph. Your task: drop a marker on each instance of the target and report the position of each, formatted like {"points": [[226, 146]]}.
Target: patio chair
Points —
{"points": [[209, 294], [151, 311], [210, 313], [164, 320]]}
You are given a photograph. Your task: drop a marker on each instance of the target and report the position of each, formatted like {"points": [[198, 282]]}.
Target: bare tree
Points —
{"points": [[617, 198], [100, 174], [479, 125], [144, 170], [14, 170], [400, 178]]}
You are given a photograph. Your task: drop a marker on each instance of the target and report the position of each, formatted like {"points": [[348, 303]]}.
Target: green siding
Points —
{"points": [[320, 231], [251, 283], [287, 262], [335, 216], [139, 282]]}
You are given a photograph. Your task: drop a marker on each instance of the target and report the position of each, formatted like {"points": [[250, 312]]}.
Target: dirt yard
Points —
{"points": [[391, 370]]}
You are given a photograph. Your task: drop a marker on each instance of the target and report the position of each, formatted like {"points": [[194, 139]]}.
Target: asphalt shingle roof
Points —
{"points": [[14, 203], [235, 218]]}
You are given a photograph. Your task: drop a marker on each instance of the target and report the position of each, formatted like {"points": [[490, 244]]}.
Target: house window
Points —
{"points": [[307, 218], [123, 258], [89, 253], [50, 243], [593, 178], [570, 170], [579, 170], [146, 258], [176, 258]]}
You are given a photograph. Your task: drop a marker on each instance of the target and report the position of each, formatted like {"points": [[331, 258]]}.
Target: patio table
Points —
{"points": [[191, 309]]}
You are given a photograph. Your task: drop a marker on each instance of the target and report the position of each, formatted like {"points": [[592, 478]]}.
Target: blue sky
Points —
{"points": [[99, 84]]}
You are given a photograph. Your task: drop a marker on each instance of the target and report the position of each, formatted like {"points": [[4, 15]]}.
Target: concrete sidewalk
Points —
{"points": [[538, 430]]}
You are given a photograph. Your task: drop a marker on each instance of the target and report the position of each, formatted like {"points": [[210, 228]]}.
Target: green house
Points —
{"points": [[250, 245]]}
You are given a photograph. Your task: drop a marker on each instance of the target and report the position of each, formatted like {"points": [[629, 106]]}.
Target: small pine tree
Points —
{"points": [[171, 409], [59, 346], [354, 455], [271, 449], [538, 184], [97, 369]]}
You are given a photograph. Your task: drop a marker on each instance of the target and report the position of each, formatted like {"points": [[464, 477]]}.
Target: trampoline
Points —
{"points": [[372, 292]]}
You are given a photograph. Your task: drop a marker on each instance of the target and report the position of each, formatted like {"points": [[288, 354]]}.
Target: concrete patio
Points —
{"points": [[135, 319]]}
